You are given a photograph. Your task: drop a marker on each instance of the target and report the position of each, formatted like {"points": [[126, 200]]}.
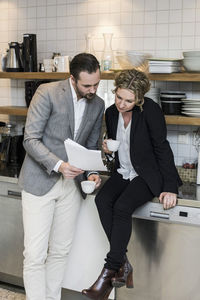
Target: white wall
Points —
{"points": [[162, 28]]}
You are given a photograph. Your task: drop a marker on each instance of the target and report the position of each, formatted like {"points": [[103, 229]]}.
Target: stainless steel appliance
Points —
{"points": [[165, 249], [14, 61], [29, 52], [11, 234]]}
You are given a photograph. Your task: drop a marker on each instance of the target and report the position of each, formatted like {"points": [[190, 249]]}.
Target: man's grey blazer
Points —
{"points": [[50, 121]]}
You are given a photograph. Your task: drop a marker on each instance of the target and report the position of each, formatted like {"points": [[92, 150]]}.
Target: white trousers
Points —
{"points": [[49, 223]]}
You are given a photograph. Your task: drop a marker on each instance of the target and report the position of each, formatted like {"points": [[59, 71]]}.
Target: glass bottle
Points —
{"points": [[107, 60], [89, 44]]}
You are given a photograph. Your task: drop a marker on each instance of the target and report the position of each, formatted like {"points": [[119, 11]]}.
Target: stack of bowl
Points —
{"points": [[154, 94], [171, 102], [191, 61], [123, 60], [132, 59]]}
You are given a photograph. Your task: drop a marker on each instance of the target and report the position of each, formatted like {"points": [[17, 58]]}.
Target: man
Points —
{"points": [[51, 197]]}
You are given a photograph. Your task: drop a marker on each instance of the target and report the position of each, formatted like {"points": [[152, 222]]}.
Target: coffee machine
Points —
{"points": [[29, 52]]}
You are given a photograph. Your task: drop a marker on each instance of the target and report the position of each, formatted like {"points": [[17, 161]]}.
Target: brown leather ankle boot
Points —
{"points": [[102, 287], [124, 276]]}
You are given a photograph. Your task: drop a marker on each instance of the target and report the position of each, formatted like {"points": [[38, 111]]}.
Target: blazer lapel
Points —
{"points": [[70, 105], [135, 116], [115, 122]]}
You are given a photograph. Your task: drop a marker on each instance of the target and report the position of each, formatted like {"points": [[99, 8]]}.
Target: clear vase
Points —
{"points": [[89, 44], [107, 60]]}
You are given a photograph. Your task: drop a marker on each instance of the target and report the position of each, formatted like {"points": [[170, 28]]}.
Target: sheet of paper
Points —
{"points": [[81, 157]]}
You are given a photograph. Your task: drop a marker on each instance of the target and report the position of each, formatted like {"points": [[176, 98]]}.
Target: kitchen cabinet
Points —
{"points": [[107, 75]]}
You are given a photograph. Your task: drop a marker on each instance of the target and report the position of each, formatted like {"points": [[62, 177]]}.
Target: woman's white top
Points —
{"points": [[123, 135]]}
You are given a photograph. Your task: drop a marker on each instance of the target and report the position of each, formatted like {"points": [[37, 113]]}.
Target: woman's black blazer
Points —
{"points": [[150, 152]]}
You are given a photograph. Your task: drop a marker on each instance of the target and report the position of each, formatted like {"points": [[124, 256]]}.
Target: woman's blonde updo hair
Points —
{"points": [[135, 81]]}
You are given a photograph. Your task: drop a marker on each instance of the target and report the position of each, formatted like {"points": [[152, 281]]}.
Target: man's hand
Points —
{"points": [[96, 178], [168, 199], [69, 171]]}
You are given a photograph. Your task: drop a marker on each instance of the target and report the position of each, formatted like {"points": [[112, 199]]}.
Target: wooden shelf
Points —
{"points": [[176, 77], [181, 120], [107, 75], [46, 75], [183, 76], [13, 110], [173, 120]]}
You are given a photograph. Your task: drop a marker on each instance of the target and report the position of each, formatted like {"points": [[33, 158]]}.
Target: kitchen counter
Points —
{"points": [[189, 193]]}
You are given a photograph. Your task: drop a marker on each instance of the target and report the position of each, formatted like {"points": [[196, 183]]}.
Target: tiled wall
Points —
{"points": [[162, 28]]}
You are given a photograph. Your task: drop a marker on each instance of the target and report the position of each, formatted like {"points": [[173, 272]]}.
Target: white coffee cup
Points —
{"points": [[113, 145], [48, 64], [61, 63], [88, 186]]}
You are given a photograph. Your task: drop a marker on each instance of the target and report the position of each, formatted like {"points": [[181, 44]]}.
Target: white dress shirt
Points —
{"points": [[79, 107], [123, 135]]}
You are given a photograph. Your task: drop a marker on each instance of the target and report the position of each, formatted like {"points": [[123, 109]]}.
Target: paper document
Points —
{"points": [[81, 157]]}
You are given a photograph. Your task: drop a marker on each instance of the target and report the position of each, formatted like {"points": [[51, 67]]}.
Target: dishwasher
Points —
{"points": [[165, 250], [11, 233]]}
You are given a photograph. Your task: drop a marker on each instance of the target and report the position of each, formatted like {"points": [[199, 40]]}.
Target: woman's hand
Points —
{"points": [[105, 148], [96, 178], [168, 199]]}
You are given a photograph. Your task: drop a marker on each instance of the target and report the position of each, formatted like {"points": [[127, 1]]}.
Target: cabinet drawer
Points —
{"points": [[10, 189]]}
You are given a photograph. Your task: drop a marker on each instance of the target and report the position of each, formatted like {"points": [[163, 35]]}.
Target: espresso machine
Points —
{"points": [[29, 52]]}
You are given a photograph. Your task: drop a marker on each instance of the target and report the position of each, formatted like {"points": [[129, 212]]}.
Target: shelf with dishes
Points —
{"points": [[170, 119], [107, 75]]}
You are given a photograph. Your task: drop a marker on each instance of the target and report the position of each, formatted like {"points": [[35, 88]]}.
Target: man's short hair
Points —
{"points": [[83, 62]]}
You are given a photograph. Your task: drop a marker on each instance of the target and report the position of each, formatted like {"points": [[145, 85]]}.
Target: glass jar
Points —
{"points": [[107, 60]]}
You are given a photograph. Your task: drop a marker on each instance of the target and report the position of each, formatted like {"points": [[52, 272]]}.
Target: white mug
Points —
{"points": [[88, 186], [48, 64], [113, 145], [61, 63]]}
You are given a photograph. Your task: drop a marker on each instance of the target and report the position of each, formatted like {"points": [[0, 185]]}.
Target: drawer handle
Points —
{"points": [[159, 215], [14, 193]]}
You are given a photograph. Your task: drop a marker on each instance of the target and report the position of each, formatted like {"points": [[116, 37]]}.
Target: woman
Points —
{"points": [[144, 168]]}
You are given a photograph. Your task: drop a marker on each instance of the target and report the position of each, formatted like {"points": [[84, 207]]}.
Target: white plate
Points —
{"points": [[156, 69], [189, 105], [164, 59], [191, 114], [191, 100], [192, 109]]}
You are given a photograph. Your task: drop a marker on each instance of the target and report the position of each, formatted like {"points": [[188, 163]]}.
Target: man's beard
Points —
{"points": [[80, 95]]}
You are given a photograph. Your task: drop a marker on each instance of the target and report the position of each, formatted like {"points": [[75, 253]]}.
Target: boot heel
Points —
{"points": [[129, 281], [107, 294]]}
